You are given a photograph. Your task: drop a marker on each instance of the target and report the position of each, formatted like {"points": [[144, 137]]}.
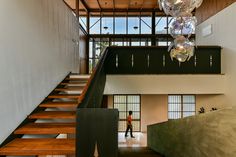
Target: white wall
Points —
{"points": [[154, 109], [36, 53], [165, 84], [223, 34]]}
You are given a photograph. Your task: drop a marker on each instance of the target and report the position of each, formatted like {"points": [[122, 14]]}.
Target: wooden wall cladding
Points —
{"points": [[210, 8]]}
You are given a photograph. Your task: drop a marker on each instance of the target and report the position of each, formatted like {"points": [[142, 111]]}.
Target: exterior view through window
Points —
{"points": [[126, 103], [180, 106]]}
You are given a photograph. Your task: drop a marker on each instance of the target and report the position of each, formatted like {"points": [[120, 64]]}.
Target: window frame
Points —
{"points": [[126, 106], [182, 104]]}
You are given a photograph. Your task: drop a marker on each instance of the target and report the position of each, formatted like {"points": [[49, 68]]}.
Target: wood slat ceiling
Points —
{"points": [[116, 4], [71, 3]]}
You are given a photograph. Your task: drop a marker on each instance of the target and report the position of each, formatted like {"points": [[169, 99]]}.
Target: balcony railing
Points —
{"points": [[156, 60]]}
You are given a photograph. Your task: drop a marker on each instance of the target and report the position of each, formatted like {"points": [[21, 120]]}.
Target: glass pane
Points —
{"points": [[120, 107], [120, 25], [107, 25], [125, 103], [90, 65], [102, 46], [122, 125], [135, 115], [133, 99], [133, 107], [90, 49], [188, 99], [161, 25], [126, 43], [174, 98], [120, 99], [133, 25], [83, 22], [136, 126], [168, 43], [162, 43], [146, 24], [189, 107], [95, 25], [187, 114], [135, 42], [118, 43], [174, 107], [97, 49], [122, 115], [174, 115]]}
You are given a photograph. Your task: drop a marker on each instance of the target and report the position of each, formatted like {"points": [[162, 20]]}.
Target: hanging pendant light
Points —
{"points": [[182, 27]]}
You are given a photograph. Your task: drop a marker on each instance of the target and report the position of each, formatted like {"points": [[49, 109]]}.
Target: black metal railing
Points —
{"points": [[91, 96], [95, 125], [156, 60]]}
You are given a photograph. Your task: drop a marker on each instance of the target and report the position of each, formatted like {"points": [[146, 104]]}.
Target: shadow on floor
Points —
{"points": [[137, 152]]}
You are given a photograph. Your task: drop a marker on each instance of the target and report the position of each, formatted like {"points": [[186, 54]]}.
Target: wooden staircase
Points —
{"points": [[55, 116]]}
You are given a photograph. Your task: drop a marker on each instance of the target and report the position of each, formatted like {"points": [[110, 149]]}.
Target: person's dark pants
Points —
{"points": [[129, 127]]}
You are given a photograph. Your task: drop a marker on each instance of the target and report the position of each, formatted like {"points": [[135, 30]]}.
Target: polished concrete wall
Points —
{"points": [[205, 135], [36, 52]]}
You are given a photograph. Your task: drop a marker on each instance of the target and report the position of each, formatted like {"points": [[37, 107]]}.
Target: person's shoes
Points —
{"points": [[126, 136], [132, 137]]}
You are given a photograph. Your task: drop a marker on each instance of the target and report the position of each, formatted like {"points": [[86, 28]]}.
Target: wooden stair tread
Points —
{"points": [[34, 147], [59, 104], [70, 89], [47, 128], [70, 96], [76, 79], [76, 75], [74, 83], [53, 115]]}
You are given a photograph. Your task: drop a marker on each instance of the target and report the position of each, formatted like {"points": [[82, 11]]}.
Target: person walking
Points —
{"points": [[129, 125]]}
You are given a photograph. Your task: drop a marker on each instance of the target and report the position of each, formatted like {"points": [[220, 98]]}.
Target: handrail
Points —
{"points": [[92, 77]]}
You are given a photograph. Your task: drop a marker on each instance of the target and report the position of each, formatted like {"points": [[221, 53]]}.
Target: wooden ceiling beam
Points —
{"points": [[85, 5], [142, 4], [131, 35], [129, 1], [114, 4], [77, 7], [100, 7], [125, 10]]}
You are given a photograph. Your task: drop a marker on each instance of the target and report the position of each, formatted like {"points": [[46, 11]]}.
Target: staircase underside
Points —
{"points": [[55, 116]]}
